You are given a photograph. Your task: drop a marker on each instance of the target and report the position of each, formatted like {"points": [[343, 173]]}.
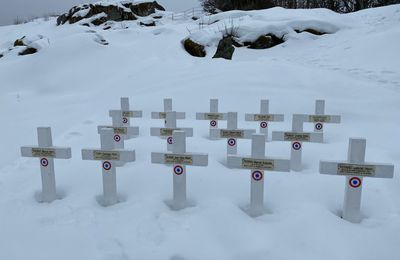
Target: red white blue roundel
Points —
{"points": [[178, 170], [170, 140], [355, 182], [231, 142], [107, 165], [257, 175], [263, 124], [117, 138], [44, 162], [296, 146], [213, 123], [319, 126], [124, 120]]}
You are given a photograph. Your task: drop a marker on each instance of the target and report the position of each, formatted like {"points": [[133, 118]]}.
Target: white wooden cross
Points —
{"points": [[213, 116], [121, 133], [167, 108], [179, 158], [232, 133], [296, 137], [110, 159], [170, 127], [355, 168], [319, 119], [122, 117], [257, 163], [47, 153], [264, 117]]}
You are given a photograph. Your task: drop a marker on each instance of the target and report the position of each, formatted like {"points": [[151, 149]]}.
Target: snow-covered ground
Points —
{"points": [[72, 82]]}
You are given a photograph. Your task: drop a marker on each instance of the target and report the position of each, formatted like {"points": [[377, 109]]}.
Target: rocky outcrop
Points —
{"points": [[312, 31], [264, 42], [225, 49], [145, 9], [101, 13], [193, 48], [28, 51]]}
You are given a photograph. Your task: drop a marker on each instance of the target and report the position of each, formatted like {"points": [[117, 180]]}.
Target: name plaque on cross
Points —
{"points": [[46, 152], [355, 169], [264, 117]]}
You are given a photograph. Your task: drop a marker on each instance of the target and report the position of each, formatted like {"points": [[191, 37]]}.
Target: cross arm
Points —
{"points": [[297, 136], [320, 118], [192, 159], [269, 164], [211, 116], [160, 131], [264, 117], [163, 115], [128, 131], [350, 169], [109, 155], [128, 113], [49, 152], [237, 133]]}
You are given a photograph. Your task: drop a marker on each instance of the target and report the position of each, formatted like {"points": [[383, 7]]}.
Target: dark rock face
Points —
{"points": [[145, 9], [28, 51], [312, 31], [148, 24], [225, 49], [113, 12], [225, 5], [19, 42], [264, 42], [194, 49]]}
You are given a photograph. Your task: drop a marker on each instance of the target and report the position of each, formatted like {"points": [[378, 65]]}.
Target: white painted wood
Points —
{"points": [[213, 116], [355, 168], [264, 117], [179, 158], [47, 153], [232, 133], [121, 133], [257, 163], [297, 136], [122, 116], [110, 159], [167, 108], [170, 126]]}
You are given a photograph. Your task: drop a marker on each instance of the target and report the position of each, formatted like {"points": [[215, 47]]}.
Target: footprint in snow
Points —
{"points": [[100, 39]]}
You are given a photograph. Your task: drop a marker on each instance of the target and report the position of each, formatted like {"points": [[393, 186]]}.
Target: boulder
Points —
{"points": [[148, 23], [108, 12], [312, 31], [225, 49], [19, 42], [193, 48], [145, 9], [264, 42], [28, 51]]}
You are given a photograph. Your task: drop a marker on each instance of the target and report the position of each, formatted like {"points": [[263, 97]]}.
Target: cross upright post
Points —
{"points": [[179, 158], [47, 153], [355, 168], [213, 116], [264, 117]]}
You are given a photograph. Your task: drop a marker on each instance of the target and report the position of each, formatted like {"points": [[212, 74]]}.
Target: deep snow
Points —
{"points": [[72, 83]]}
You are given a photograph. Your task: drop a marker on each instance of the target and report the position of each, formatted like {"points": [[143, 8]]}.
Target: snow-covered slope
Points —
{"points": [[72, 82]]}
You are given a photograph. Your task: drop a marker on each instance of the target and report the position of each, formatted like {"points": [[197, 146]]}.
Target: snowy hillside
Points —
{"points": [[74, 79]]}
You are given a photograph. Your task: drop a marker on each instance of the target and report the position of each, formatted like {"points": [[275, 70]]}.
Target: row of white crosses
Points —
{"points": [[112, 154]]}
